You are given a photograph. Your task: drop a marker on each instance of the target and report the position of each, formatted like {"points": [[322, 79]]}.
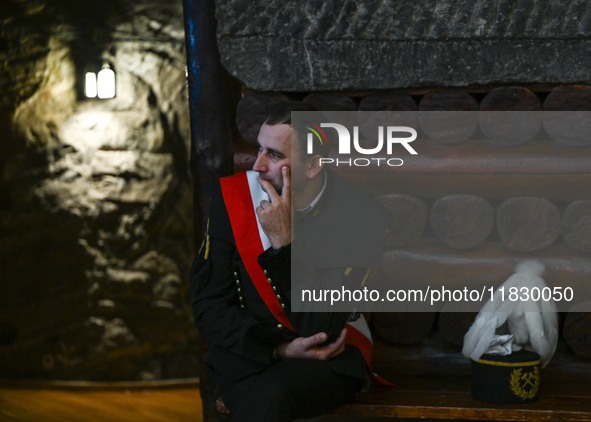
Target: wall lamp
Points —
{"points": [[101, 85]]}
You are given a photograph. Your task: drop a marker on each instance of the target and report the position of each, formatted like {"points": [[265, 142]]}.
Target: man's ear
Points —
{"points": [[313, 166]]}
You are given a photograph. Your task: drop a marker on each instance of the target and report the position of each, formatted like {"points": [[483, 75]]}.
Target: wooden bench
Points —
{"points": [[449, 399], [435, 384]]}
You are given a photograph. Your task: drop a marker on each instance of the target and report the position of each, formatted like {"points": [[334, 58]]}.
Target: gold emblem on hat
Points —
{"points": [[525, 384]]}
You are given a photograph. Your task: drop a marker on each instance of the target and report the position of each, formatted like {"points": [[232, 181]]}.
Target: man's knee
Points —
{"points": [[289, 390], [265, 401], [275, 393]]}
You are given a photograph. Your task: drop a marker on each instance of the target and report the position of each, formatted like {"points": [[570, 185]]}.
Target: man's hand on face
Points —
{"points": [[308, 347], [275, 215]]}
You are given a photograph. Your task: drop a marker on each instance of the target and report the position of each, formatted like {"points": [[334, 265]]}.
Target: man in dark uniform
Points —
{"points": [[269, 363]]}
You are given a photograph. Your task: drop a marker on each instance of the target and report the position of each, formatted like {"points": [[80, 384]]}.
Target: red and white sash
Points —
{"points": [[248, 234], [242, 195]]}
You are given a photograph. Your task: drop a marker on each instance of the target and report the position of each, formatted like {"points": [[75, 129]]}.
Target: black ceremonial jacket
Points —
{"points": [[228, 309]]}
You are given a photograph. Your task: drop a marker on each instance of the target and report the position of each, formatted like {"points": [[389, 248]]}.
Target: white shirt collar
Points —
{"points": [[315, 200]]}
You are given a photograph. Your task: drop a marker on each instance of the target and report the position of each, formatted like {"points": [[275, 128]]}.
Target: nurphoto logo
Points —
{"points": [[387, 136]]}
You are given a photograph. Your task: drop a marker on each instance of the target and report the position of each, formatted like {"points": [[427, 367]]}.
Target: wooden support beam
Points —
{"points": [[213, 95], [478, 168]]}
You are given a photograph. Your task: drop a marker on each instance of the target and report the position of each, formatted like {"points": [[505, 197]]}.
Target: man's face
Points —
{"points": [[275, 153]]}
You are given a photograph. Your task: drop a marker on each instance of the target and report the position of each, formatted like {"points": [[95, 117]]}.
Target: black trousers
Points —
{"points": [[288, 390]]}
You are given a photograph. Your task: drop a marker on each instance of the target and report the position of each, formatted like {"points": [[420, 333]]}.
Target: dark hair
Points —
{"points": [[280, 113]]}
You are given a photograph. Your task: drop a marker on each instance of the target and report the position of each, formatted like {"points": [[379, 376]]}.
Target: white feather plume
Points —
{"points": [[533, 324]]}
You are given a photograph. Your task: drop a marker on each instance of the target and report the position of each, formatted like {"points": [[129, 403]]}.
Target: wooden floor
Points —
{"points": [[177, 402]]}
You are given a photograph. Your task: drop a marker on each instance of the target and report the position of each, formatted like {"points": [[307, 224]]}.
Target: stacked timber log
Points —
{"points": [[409, 219], [401, 108], [576, 225], [576, 331], [507, 180], [561, 123], [442, 123], [462, 221], [528, 224], [502, 120], [331, 102]]}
